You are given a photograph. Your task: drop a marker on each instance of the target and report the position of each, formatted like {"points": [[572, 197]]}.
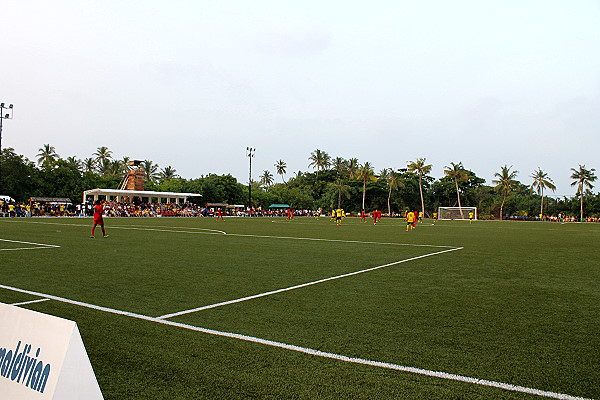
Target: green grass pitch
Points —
{"points": [[510, 302]]}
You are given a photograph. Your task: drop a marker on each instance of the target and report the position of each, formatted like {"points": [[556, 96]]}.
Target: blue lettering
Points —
{"points": [[18, 366], [24, 361], [10, 371], [36, 375], [43, 379], [6, 363]]}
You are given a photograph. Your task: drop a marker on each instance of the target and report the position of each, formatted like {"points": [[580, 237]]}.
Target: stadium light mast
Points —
{"points": [[250, 153], [8, 114]]}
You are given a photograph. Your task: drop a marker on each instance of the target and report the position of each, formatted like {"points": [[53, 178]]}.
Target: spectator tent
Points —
{"points": [[146, 196], [279, 206]]}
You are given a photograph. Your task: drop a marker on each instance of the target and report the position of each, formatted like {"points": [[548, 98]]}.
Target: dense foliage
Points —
{"points": [[336, 182]]}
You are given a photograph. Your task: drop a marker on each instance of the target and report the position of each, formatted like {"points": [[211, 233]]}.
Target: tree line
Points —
{"points": [[335, 182]]}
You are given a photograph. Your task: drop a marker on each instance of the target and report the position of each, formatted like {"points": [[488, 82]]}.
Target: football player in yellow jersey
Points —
{"points": [[410, 220], [471, 215], [339, 213]]}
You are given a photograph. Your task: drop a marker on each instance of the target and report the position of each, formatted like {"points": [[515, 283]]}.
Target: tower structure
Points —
{"points": [[135, 178]]}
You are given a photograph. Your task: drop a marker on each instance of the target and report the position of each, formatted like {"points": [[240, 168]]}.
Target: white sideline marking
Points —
{"points": [[38, 245], [29, 302], [313, 352], [210, 231], [300, 286]]}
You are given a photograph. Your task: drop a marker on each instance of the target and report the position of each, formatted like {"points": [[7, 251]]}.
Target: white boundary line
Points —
{"points": [[342, 241], [209, 231], [300, 286], [29, 302], [38, 245], [313, 352]]}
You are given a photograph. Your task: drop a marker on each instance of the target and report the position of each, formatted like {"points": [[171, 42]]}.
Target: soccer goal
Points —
{"points": [[457, 212]]}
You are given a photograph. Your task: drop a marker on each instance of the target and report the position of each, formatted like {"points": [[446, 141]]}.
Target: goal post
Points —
{"points": [[460, 213]]}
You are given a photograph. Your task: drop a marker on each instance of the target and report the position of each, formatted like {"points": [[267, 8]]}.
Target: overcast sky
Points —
{"points": [[191, 84]]}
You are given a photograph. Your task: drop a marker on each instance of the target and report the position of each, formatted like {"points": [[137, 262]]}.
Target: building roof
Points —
{"points": [[51, 199], [138, 193]]}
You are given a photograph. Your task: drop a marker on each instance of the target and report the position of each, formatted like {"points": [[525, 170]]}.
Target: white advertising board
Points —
{"points": [[43, 357]]}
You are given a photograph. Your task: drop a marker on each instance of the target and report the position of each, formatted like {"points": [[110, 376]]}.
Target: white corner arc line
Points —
{"points": [[224, 303], [210, 231], [313, 352]]}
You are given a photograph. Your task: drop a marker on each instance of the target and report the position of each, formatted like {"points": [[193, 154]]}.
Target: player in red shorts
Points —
{"points": [[219, 214], [363, 216], [98, 220]]}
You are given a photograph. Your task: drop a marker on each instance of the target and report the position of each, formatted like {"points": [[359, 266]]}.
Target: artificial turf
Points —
{"points": [[518, 303]]}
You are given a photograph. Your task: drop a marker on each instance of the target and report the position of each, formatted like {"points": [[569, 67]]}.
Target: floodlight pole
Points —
{"points": [[250, 153], [3, 116]]}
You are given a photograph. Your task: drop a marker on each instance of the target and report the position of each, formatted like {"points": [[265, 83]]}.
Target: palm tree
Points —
{"points": [[583, 178], [505, 183], [339, 164], [89, 164], [342, 189], [352, 167], [151, 170], [168, 173], [458, 173], [541, 181], [420, 168], [319, 160], [105, 167], [281, 168], [365, 173], [125, 164], [117, 167], [266, 178], [393, 182], [74, 161], [47, 156], [102, 153]]}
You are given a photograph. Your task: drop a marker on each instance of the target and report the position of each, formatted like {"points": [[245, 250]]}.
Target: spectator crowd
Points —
{"points": [[115, 209]]}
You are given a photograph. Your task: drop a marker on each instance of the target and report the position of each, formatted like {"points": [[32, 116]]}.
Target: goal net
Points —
{"points": [[456, 212]]}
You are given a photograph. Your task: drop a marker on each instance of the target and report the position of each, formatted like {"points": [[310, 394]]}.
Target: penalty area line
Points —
{"points": [[38, 245], [312, 352], [256, 296], [341, 241]]}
